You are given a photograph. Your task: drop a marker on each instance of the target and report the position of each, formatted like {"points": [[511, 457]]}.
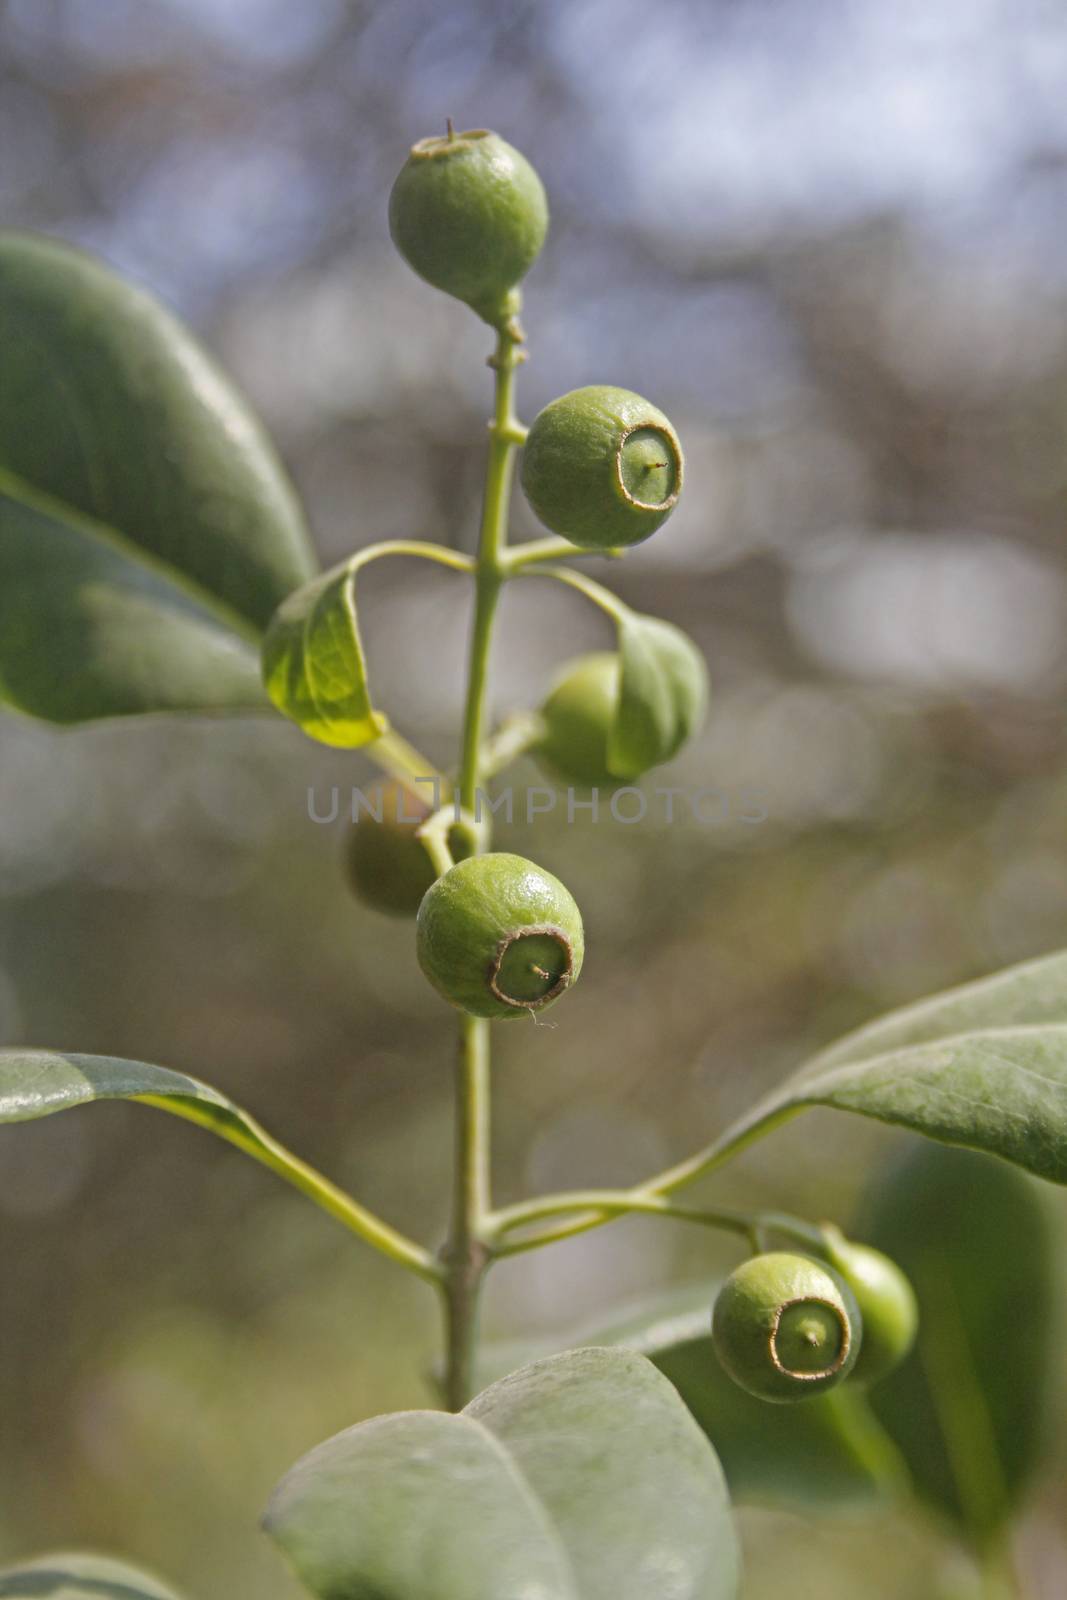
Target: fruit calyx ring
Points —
{"points": [[639, 455], [541, 964], [441, 144], [810, 1307]]}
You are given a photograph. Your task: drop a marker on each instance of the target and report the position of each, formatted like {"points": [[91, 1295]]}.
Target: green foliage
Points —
{"points": [[983, 1066], [79, 1577], [581, 1477], [36, 1083], [828, 1452], [602, 467], [314, 667], [469, 214], [147, 531], [149, 546], [611, 717], [971, 1407], [500, 937], [663, 694]]}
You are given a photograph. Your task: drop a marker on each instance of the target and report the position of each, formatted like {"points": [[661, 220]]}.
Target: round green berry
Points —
{"points": [[578, 716], [387, 867], [602, 467], [886, 1300], [786, 1327], [469, 214], [498, 936]]}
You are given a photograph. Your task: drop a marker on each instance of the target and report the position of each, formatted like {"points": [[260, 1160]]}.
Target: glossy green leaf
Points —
{"points": [[663, 694], [969, 1409], [147, 531], [313, 661], [79, 1577], [36, 1083], [581, 1477], [984, 1066], [825, 1452]]}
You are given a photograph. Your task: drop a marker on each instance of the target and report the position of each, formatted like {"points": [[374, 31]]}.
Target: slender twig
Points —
{"points": [[629, 1202], [592, 590], [516, 734]]}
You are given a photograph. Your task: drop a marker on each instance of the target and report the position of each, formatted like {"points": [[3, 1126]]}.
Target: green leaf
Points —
{"points": [[629, 1481], [827, 1451], [969, 1409], [36, 1083], [313, 662], [663, 694], [581, 1477], [984, 1066], [79, 1577], [147, 531], [420, 1504]]}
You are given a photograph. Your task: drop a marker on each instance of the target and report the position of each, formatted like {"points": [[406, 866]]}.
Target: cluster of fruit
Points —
{"points": [[786, 1327], [497, 935]]}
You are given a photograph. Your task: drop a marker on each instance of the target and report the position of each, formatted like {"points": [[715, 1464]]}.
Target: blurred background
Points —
{"points": [[828, 239]]}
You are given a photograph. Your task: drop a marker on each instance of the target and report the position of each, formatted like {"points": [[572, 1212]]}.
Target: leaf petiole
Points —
{"points": [[612, 1204]]}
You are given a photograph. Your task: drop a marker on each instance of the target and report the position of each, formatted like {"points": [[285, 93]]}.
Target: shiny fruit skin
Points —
{"points": [[499, 937], [468, 213], [578, 714], [603, 467]]}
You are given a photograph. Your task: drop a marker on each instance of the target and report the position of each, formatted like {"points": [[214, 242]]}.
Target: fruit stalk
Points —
{"points": [[466, 1255]]}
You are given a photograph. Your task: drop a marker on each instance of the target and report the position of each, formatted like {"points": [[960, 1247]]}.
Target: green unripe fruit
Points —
{"points": [[602, 467], [469, 214], [786, 1327], [887, 1305], [387, 867], [578, 716], [499, 937]]}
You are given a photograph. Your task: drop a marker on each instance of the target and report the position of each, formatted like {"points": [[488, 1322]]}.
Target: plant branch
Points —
{"points": [[592, 590], [517, 734], [536, 551], [400, 759], [697, 1166], [466, 1256], [610, 1204]]}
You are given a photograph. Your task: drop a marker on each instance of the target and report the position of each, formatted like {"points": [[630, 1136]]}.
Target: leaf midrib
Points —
{"points": [[113, 539], [802, 1093]]}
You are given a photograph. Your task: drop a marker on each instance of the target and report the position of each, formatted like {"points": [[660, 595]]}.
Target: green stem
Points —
{"points": [[401, 760], [629, 1202], [489, 570], [868, 1441], [248, 1136], [516, 734], [592, 590], [664, 1183], [466, 1255], [536, 551]]}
